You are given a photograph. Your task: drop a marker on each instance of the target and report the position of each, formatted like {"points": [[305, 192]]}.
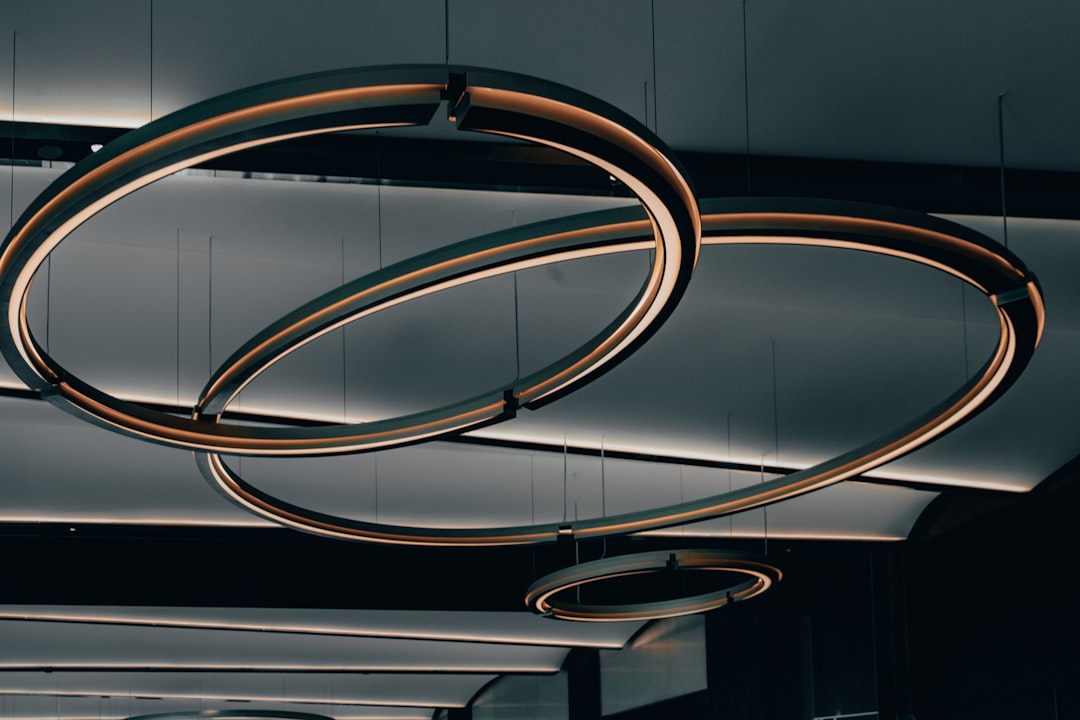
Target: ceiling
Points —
{"points": [[776, 358]]}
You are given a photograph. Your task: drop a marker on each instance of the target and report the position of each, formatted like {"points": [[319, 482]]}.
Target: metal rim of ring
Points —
{"points": [[480, 100], [937, 243], [542, 598]]}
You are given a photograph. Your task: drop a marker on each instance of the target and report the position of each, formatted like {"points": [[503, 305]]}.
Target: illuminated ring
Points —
{"points": [[480, 100], [541, 596], [933, 242], [233, 715]]}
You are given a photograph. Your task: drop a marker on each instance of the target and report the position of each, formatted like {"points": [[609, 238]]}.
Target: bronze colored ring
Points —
{"points": [[936, 243], [542, 595], [480, 100]]}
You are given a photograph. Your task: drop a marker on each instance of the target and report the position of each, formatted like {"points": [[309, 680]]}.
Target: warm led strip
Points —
{"points": [[484, 101], [255, 714], [247, 714], [376, 713], [203, 695], [165, 618], [418, 715], [935, 243], [542, 595], [271, 668]]}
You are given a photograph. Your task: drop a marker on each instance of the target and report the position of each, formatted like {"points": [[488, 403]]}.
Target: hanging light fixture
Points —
{"points": [[524, 108], [546, 596], [483, 101], [936, 243]]}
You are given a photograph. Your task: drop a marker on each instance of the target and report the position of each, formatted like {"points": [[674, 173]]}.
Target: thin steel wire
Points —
{"points": [[655, 116], [603, 481], [731, 518], [1001, 167], [151, 60], [964, 321], [11, 189], [178, 317], [210, 307], [48, 305], [645, 88], [344, 364], [746, 95], [517, 317], [378, 191], [564, 464]]}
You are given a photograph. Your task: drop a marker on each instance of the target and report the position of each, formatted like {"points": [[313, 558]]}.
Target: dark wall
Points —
{"points": [[975, 617], [994, 606]]}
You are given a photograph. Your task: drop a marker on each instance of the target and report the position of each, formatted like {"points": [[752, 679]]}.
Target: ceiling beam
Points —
{"points": [[396, 160]]}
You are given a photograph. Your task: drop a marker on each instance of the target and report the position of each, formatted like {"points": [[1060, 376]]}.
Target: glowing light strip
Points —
{"points": [[497, 433], [775, 534], [151, 696], [337, 715], [541, 595], [375, 667], [129, 122], [935, 243], [1010, 486], [537, 639], [485, 101], [139, 519], [247, 714]]}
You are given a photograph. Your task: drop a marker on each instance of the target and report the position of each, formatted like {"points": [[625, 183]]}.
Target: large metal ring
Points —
{"points": [[543, 595], [936, 243], [480, 100]]}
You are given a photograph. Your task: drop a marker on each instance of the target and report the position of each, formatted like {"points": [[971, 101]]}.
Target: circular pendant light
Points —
{"points": [[945, 246], [482, 101], [525, 108], [755, 575]]}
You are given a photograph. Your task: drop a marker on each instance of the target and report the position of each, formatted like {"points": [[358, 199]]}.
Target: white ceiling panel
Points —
{"points": [[120, 707], [346, 690], [36, 644], [480, 627], [846, 511]]}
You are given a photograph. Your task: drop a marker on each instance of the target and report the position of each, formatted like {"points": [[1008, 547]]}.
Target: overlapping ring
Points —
{"points": [[480, 100], [933, 242], [492, 102]]}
